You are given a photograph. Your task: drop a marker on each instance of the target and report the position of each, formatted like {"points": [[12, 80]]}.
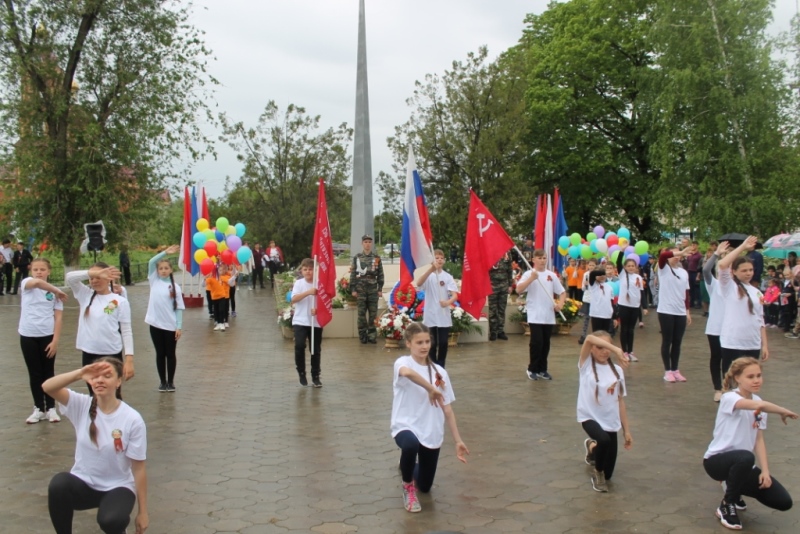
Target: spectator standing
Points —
{"points": [[22, 261], [125, 265], [8, 265]]}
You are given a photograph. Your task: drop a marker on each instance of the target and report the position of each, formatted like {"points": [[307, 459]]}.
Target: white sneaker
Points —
{"points": [[218, 327], [632, 357], [222, 328], [52, 416], [227, 325], [36, 416]]}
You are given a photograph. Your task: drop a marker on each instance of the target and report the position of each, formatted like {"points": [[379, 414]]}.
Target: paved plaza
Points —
{"points": [[241, 447]]}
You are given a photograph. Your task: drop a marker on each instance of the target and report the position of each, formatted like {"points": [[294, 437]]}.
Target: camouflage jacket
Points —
{"points": [[501, 274], [366, 270]]}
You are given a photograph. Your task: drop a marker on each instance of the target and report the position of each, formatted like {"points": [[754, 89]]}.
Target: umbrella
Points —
{"points": [[781, 253], [735, 239], [776, 240]]}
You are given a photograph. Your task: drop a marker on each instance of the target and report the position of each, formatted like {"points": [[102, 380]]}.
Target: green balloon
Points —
{"points": [[575, 239], [222, 224], [591, 236], [210, 234], [641, 247], [615, 255], [586, 252]]}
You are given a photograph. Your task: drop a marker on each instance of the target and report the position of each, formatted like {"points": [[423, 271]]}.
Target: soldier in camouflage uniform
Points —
{"points": [[501, 275], [366, 281]]}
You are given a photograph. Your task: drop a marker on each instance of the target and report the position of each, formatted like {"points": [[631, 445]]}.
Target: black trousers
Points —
{"points": [[8, 273], [273, 268], [539, 347], [423, 472], [126, 274], [438, 352], [233, 298], [738, 470], [600, 323], [628, 317], [672, 329], [40, 368], [68, 493], [166, 360], [605, 453], [728, 355], [257, 273], [221, 310], [21, 275], [715, 362], [210, 303], [301, 334]]}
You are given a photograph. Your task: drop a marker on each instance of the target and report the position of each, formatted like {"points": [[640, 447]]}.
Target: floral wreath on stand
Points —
{"points": [[408, 300]]}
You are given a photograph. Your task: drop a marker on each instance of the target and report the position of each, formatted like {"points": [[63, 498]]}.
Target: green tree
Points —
{"points": [[283, 157], [98, 100]]}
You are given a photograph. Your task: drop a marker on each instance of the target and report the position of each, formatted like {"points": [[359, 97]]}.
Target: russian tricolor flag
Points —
{"points": [[416, 247]]}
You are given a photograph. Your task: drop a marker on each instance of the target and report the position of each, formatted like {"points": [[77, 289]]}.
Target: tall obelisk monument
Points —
{"points": [[362, 220]]}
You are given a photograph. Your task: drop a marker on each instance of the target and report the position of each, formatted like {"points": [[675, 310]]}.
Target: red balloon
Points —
{"points": [[210, 247], [612, 240], [207, 266], [227, 257]]}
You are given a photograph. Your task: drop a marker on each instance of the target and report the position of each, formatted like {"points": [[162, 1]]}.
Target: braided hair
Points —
{"points": [[604, 335], [739, 285], [116, 363], [101, 265], [173, 291], [729, 382]]}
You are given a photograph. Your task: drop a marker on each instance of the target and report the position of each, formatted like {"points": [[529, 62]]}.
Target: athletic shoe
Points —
{"points": [[36, 416], [222, 328], [669, 376], [632, 357], [599, 481], [303, 380], [210, 315], [728, 517], [171, 387], [250, 288], [773, 326], [227, 325], [641, 324], [502, 336], [717, 395], [589, 459], [791, 335], [492, 336], [233, 314], [410, 500], [678, 376], [315, 381], [740, 504], [162, 388], [217, 326], [532, 376], [545, 376], [53, 417]]}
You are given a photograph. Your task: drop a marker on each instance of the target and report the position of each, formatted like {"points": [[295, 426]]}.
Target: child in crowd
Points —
{"points": [[738, 444], [234, 283], [218, 283], [673, 309], [771, 304], [602, 310], [629, 306], [165, 316], [441, 292], [788, 305], [572, 277], [303, 320], [612, 275], [39, 331], [601, 407], [421, 406], [591, 265]]}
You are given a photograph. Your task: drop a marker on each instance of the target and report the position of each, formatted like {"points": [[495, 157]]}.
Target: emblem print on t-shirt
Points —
{"points": [[117, 435], [109, 309], [49, 296]]}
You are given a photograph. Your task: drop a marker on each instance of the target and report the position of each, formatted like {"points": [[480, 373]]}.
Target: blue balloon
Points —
{"points": [[199, 239], [593, 246], [420, 295], [624, 232], [563, 242], [574, 252], [643, 258], [289, 297], [219, 235], [614, 287], [240, 229]]}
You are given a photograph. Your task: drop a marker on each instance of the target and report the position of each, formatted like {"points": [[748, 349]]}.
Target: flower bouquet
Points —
{"points": [[462, 321], [285, 321], [392, 325], [569, 311], [520, 316], [343, 288]]}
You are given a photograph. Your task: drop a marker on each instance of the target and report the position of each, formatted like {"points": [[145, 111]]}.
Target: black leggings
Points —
{"points": [[539, 347], [728, 355], [220, 310], [438, 352], [233, 298], [605, 452], [423, 472], [672, 329], [166, 361], [210, 303], [738, 470], [628, 317], [715, 362], [601, 323], [40, 368], [301, 334], [68, 493]]}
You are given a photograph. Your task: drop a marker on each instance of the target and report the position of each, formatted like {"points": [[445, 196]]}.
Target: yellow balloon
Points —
{"points": [[201, 225], [562, 251], [200, 255], [230, 230], [222, 246], [623, 242]]}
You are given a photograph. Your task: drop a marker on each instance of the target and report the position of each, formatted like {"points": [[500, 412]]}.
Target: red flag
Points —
{"points": [[322, 250], [486, 244], [187, 234], [541, 213]]}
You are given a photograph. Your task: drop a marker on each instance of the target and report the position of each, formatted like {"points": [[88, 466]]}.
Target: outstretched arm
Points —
{"points": [[450, 418]]}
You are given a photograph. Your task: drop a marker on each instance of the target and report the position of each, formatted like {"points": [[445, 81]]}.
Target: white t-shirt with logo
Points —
{"points": [[740, 329], [602, 295], [159, 308], [630, 290], [672, 290], [99, 330], [604, 408], [539, 303], [102, 466], [37, 318], [411, 409], [438, 286], [302, 308], [735, 430]]}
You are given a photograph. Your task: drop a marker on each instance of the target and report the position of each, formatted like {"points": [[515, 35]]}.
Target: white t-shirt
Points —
{"points": [[587, 297], [411, 409], [8, 254], [302, 308], [630, 290], [735, 430], [604, 409], [37, 318], [99, 330], [602, 300], [438, 286], [740, 329], [273, 254], [101, 466], [539, 303], [672, 290], [716, 309], [159, 309]]}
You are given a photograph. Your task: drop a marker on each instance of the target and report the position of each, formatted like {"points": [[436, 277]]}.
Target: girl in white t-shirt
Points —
{"points": [[673, 309], [165, 316], [441, 292], [743, 331], [716, 315], [39, 330], [104, 320], [602, 294], [629, 304], [586, 297], [420, 408], [601, 407], [303, 320], [738, 444], [111, 447]]}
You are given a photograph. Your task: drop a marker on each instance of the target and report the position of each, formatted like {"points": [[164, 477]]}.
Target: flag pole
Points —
{"points": [[311, 316], [537, 279]]}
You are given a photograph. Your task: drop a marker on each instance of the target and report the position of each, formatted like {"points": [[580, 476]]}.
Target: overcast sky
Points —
{"points": [[303, 52]]}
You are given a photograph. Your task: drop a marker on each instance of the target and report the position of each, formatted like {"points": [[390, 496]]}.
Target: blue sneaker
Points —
{"points": [[532, 376], [545, 376]]}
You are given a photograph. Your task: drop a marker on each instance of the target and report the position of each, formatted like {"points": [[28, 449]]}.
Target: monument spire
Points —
{"points": [[362, 218]]}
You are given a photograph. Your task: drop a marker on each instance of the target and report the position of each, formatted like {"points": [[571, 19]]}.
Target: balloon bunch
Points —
{"points": [[222, 243], [599, 243]]}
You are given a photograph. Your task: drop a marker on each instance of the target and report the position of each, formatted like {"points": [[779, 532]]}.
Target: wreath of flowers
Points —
{"points": [[408, 299], [343, 288]]}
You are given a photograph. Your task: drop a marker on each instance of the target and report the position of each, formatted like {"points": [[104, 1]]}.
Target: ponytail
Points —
{"points": [[174, 293]]}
